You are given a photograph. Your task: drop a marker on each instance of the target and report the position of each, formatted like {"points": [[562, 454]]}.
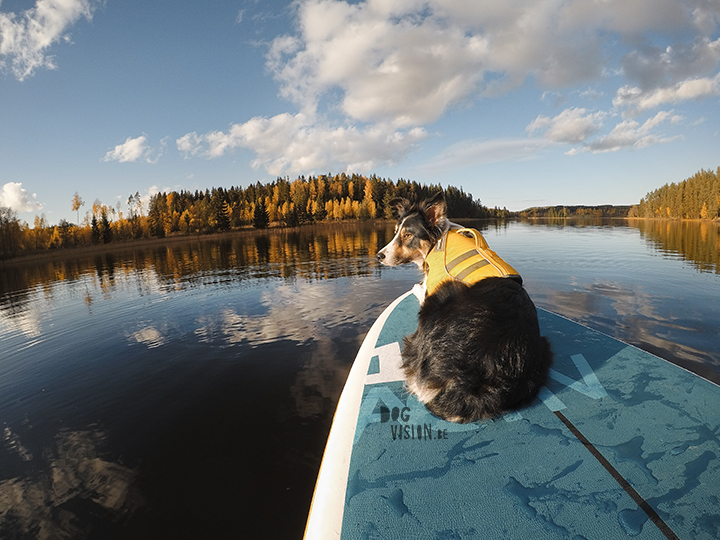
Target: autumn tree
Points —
{"points": [[135, 212], [77, 202], [315, 198], [697, 197]]}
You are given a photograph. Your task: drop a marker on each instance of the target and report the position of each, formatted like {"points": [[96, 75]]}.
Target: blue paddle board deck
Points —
{"points": [[619, 444]]}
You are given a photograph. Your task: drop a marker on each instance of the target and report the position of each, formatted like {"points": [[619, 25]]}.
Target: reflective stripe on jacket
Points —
{"points": [[463, 255]]}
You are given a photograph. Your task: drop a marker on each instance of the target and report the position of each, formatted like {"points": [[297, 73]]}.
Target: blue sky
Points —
{"points": [[520, 102]]}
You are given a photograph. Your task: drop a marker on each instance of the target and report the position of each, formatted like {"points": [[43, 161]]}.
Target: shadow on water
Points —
{"points": [[186, 390]]}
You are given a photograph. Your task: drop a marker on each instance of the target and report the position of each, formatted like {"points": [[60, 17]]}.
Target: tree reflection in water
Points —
{"points": [[185, 389], [64, 488]]}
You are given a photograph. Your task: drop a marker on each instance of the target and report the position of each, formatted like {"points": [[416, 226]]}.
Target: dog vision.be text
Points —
{"points": [[401, 429]]}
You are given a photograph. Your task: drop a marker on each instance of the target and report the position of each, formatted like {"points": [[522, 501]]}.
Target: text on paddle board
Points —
{"points": [[405, 430]]}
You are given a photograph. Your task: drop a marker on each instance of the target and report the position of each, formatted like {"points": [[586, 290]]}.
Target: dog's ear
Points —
{"points": [[400, 203], [435, 209]]}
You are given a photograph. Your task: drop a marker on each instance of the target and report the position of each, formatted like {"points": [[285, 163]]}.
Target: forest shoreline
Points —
{"points": [[144, 243]]}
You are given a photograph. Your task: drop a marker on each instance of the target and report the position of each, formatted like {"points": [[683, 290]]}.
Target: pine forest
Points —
{"points": [[323, 198], [698, 197], [283, 203]]}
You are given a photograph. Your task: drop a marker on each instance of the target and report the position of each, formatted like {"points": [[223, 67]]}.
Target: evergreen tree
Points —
{"points": [[261, 218], [9, 233], [319, 214], [221, 210], [94, 230], [105, 230], [156, 215], [694, 198]]}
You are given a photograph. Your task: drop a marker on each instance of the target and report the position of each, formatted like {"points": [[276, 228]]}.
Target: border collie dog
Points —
{"points": [[477, 351]]}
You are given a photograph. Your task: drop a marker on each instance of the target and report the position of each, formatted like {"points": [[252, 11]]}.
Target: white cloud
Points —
{"points": [[130, 150], [632, 134], [636, 100], [14, 196], [405, 62], [474, 152], [150, 193], [391, 63], [288, 144], [26, 38], [136, 149], [633, 18], [394, 66], [570, 126], [657, 67]]}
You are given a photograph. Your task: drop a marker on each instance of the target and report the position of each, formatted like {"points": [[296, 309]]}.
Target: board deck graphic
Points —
{"points": [[619, 444]]}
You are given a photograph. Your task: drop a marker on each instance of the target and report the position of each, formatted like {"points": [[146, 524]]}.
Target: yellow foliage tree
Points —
{"points": [[77, 202]]}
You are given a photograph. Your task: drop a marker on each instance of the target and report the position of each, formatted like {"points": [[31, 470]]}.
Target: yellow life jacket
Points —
{"points": [[463, 255]]}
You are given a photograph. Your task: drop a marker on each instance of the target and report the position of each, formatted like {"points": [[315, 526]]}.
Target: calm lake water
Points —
{"points": [[186, 391]]}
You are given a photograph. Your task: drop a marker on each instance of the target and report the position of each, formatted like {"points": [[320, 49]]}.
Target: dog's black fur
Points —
{"points": [[477, 351], [480, 347]]}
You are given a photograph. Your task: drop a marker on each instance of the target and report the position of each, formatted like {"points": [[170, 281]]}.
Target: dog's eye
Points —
{"points": [[407, 236]]}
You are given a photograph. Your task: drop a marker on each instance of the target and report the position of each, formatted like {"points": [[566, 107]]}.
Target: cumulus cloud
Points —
{"points": [[634, 18], [288, 144], [390, 62], [14, 196], [134, 150], [395, 66], [130, 150], [632, 134], [570, 126], [658, 67], [635, 100], [26, 38], [150, 193], [406, 62]]}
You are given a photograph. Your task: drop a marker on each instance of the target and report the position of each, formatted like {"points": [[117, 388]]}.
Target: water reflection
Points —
{"points": [[306, 253], [695, 241], [198, 358], [653, 284], [644, 320], [186, 389], [56, 494]]}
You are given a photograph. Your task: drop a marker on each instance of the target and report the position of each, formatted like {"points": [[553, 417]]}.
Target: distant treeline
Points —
{"points": [[697, 197], [606, 210], [279, 203]]}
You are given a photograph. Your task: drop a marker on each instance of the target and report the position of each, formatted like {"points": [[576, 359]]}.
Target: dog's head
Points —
{"points": [[419, 227]]}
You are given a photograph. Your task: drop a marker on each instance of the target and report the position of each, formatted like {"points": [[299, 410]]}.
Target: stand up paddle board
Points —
{"points": [[619, 444]]}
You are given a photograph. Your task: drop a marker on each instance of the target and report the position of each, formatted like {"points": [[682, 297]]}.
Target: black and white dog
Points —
{"points": [[477, 351]]}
